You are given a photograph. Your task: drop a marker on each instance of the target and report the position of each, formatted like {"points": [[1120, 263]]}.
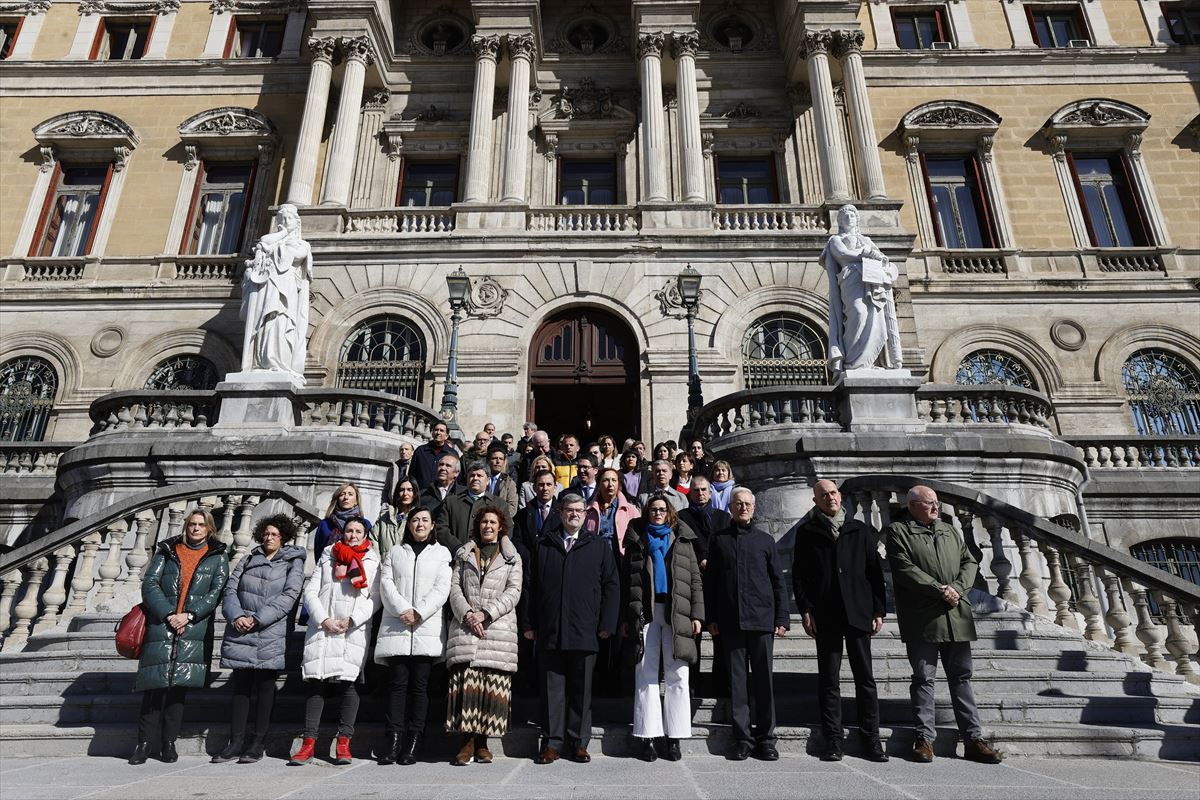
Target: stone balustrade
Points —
{"points": [[407, 220], [584, 219], [355, 408], [753, 409], [803, 219], [53, 270], [942, 404], [1139, 452], [973, 262], [31, 458], [1130, 261], [1060, 574], [211, 268], [147, 409]]}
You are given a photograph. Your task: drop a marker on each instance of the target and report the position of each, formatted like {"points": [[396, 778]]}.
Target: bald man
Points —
{"points": [[837, 579]]}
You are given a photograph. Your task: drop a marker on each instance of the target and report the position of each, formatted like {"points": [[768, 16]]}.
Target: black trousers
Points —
{"points": [[567, 696], [749, 655], [161, 715], [247, 682], [830, 637], [408, 694], [314, 706]]}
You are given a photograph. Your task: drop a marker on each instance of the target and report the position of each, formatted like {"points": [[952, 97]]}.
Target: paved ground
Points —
{"points": [[696, 776]]}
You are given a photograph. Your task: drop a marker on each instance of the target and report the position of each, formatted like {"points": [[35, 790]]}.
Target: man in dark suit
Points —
{"points": [[423, 466], [584, 482], [837, 578], [444, 484], [540, 514], [452, 523], [574, 603]]}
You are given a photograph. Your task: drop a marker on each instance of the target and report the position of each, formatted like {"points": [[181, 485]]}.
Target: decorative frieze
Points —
{"points": [[585, 102], [742, 111], [377, 99]]}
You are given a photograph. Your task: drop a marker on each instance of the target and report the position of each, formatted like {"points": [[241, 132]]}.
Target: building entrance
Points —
{"points": [[583, 376]]}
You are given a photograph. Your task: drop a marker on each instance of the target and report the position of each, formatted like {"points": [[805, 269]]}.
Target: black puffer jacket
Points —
{"points": [[743, 582], [686, 590]]}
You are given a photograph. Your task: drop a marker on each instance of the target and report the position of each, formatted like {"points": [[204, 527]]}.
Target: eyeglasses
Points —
{"points": [[928, 503], [573, 512], [657, 511], [272, 535]]}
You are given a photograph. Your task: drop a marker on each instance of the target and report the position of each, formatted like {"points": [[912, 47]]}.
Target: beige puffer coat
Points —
{"points": [[496, 593]]}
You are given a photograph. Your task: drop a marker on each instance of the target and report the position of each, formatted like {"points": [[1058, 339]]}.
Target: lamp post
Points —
{"points": [[688, 284], [459, 286]]}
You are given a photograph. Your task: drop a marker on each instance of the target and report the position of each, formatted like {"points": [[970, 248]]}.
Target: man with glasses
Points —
{"points": [[573, 603], [584, 484], [932, 569]]}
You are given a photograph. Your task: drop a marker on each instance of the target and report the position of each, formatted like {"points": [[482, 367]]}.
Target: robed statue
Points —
{"points": [[275, 299], [863, 333]]}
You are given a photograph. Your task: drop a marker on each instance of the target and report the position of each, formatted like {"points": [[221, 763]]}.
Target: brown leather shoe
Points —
{"points": [[922, 751], [465, 752], [548, 756], [482, 754], [981, 751], [581, 755]]}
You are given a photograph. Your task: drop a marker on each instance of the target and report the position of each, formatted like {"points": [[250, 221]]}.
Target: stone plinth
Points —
{"points": [[879, 400], [256, 401]]}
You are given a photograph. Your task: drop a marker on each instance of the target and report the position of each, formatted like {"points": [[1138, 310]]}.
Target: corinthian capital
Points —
{"points": [[817, 43], [322, 48], [520, 45], [847, 42], [485, 47], [650, 44], [685, 44], [358, 49]]}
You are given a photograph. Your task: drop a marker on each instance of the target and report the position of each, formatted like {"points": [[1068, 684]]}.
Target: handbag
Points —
{"points": [[131, 632]]}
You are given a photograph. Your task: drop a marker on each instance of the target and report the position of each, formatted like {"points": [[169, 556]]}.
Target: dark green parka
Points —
{"points": [[168, 660], [686, 590], [924, 558]]}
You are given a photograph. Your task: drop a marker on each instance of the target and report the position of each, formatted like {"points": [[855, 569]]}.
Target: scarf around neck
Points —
{"points": [[658, 538], [348, 563], [720, 495], [341, 517]]}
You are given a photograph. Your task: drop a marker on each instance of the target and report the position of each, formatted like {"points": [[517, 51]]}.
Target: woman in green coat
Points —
{"points": [[180, 593]]}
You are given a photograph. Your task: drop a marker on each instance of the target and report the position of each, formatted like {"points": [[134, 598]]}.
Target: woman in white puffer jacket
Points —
{"points": [[414, 584]]}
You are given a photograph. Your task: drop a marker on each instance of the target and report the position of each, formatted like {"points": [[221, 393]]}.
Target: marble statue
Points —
{"points": [[275, 299], [863, 333]]}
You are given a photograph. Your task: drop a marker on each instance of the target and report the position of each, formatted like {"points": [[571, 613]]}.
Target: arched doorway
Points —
{"points": [[583, 368]]}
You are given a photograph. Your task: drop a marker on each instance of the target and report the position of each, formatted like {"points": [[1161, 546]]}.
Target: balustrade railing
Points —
{"points": [[584, 219], [53, 271], [217, 268], [148, 409], [1111, 599], [1130, 262], [987, 404], [97, 564], [352, 408], [761, 408], [410, 219], [801, 219], [973, 262], [1139, 452], [31, 458]]}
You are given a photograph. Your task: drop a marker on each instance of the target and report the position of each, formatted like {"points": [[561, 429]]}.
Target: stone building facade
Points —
{"points": [[1031, 166]]}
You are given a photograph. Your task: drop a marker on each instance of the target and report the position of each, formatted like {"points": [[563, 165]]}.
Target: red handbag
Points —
{"points": [[131, 632]]}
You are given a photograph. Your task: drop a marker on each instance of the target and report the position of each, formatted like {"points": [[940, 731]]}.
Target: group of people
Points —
{"points": [[574, 566]]}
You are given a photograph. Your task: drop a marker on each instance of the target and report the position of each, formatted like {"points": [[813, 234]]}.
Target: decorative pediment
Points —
{"points": [[1099, 113], [278, 6], [229, 125], [86, 127], [586, 117], [156, 7], [950, 114]]}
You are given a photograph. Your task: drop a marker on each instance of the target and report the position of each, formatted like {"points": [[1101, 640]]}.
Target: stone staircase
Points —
{"points": [[1043, 690]]}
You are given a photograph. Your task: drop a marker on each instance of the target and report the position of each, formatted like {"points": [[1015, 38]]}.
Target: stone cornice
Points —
{"points": [[1067, 66]]}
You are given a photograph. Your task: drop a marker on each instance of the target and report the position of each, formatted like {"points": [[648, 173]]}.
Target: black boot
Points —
{"points": [[391, 753], [169, 755], [409, 755], [140, 753], [230, 753], [254, 753]]}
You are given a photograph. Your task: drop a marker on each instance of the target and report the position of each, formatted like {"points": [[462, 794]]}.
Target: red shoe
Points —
{"points": [[302, 756], [341, 753]]}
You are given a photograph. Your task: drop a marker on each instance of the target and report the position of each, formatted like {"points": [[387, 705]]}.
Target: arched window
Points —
{"points": [[1164, 393], [383, 354], [783, 349], [183, 372], [983, 367], [28, 387], [1179, 557]]}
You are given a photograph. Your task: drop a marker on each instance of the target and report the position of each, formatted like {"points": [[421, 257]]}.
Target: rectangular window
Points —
{"points": [[1058, 26], [72, 210], [746, 181], [255, 37], [959, 209], [919, 28], [428, 183], [8, 36], [587, 183], [219, 206], [1183, 22], [121, 39], [1109, 205]]}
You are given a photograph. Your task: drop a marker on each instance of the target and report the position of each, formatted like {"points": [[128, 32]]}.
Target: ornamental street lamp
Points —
{"points": [[459, 286], [688, 284]]}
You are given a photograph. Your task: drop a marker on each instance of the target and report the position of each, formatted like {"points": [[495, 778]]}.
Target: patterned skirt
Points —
{"points": [[479, 701]]}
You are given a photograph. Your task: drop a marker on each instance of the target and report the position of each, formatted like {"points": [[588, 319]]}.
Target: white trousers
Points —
{"points": [[676, 706]]}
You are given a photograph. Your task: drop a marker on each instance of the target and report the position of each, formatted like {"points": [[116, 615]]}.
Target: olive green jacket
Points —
{"points": [[922, 560]]}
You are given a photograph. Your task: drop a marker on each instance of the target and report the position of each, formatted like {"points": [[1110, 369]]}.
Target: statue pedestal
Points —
{"points": [[257, 401], [879, 400]]}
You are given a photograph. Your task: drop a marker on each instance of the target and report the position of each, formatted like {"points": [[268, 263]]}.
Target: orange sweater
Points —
{"points": [[189, 559]]}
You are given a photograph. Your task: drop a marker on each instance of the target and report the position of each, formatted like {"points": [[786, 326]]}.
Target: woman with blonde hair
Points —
{"points": [[344, 506], [720, 477]]}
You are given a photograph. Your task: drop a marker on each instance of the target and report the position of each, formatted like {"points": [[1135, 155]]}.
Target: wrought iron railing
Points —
{"points": [[765, 372]]}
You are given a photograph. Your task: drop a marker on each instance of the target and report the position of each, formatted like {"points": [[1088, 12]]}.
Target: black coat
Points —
{"points": [[453, 520], [704, 526], [525, 529], [423, 466], [431, 499], [743, 581], [840, 582], [572, 596]]}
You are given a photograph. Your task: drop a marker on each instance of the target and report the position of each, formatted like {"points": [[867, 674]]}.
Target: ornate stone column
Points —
{"points": [[479, 147], [691, 153], [654, 156], [849, 48], [833, 160], [516, 145], [308, 143], [358, 54]]}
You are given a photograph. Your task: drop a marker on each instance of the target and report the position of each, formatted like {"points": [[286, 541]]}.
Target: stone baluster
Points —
{"points": [[691, 154], [1086, 600], [479, 146], [832, 159], [358, 53], [1058, 591], [1000, 566], [654, 148], [883, 509], [1124, 638], [1031, 576], [224, 532], [849, 46], [862, 507], [55, 596], [138, 556], [242, 540], [85, 576], [1148, 632], [9, 584], [110, 569], [1177, 643], [516, 143], [24, 612], [308, 143]]}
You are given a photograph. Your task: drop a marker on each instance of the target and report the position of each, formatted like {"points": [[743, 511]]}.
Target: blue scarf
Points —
{"points": [[658, 537]]}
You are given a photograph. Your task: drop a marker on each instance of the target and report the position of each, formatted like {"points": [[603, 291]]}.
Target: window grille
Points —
{"points": [[1164, 393], [384, 354], [28, 387]]}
